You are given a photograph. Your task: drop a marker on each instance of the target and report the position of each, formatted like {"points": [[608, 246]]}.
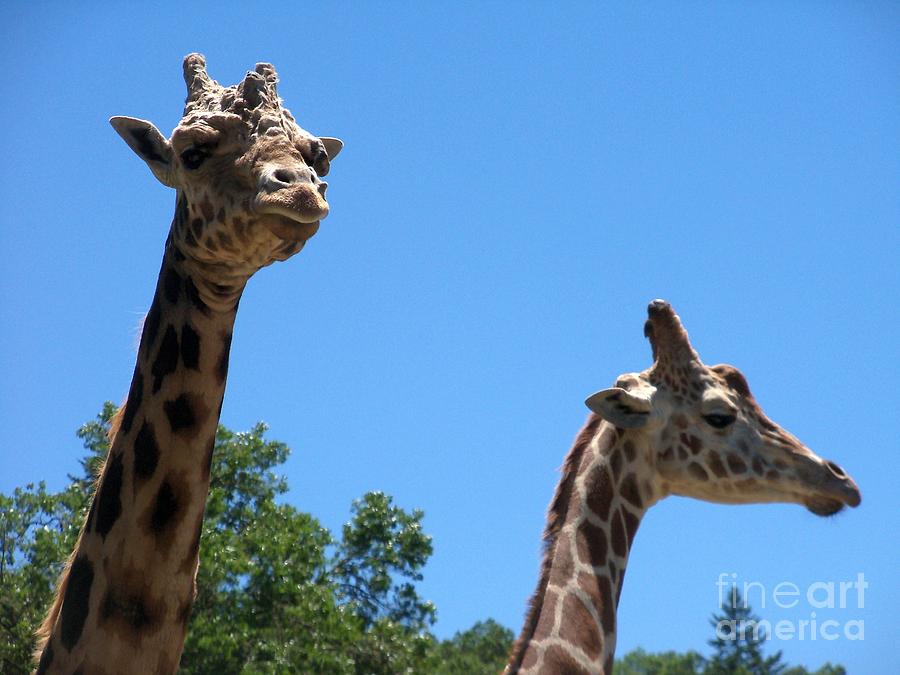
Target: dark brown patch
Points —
{"points": [[600, 494], [579, 628], [190, 240], [76, 600], [224, 240], [180, 413], [166, 358], [190, 347], [222, 366], [146, 452], [697, 471], [151, 325], [757, 466], [166, 509], [735, 463], [682, 453], [617, 538], [629, 490], [558, 660], [181, 213], [207, 208], [194, 296], [615, 463], [133, 404], [694, 443], [592, 544], [129, 610], [109, 496], [716, 465], [171, 285], [197, 227], [608, 616], [668, 453], [631, 525], [628, 447]]}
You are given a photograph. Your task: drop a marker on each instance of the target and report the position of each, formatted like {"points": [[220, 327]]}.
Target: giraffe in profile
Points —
{"points": [[678, 428], [249, 192]]}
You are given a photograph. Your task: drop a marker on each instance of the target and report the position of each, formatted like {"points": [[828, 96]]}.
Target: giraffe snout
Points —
{"points": [[286, 177]]}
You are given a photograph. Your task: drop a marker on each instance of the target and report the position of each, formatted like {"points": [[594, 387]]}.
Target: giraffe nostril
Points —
{"points": [[284, 176], [836, 470]]}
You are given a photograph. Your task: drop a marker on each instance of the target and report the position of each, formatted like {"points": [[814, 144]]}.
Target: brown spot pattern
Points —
{"points": [[558, 660], [579, 628], [735, 463], [697, 471], [591, 544], [618, 535]]}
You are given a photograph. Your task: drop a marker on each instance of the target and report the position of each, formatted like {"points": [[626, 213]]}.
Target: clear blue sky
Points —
{"points": [[519, 180]]}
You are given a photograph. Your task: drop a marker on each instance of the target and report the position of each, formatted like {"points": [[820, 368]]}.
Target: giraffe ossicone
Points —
{"points": [[678, 428], [249, 193]]}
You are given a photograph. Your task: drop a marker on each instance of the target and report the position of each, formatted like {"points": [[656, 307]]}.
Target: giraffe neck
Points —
{"points": [[599, 503], [125, 598]]}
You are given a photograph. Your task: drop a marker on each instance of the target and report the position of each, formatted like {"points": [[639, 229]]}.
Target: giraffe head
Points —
{"points": [[249, 179], [709, 438]]}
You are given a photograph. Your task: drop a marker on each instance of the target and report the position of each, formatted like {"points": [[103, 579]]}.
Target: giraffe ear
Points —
{"points": [[332, 146], [149, 144], [625, 409]]}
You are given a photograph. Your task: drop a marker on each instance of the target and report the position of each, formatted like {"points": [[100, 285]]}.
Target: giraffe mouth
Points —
{"points": [[289, 229], [292, 213], [824, 506], [834, 500]]}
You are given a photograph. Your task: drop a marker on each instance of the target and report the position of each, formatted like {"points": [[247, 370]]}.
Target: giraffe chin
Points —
{"points": [[289, 228], [824, 506]]}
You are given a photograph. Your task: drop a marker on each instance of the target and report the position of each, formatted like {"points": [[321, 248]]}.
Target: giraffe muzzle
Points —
{"points": [[832, 488], [295, 200]]}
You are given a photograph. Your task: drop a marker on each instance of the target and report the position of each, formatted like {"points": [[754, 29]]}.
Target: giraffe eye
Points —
{"points": [[718, 420], [193, 157]]}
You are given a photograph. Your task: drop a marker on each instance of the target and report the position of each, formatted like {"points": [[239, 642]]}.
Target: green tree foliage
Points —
{"points": [[277, 593], [639, 662], [481, 650]]}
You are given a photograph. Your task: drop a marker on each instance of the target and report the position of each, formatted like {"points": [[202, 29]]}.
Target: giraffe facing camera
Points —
{"points": [[249, 192]]}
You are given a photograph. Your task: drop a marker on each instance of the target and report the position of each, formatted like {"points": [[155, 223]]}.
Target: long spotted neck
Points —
{"points": [[599, 503], [125, 598]]}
